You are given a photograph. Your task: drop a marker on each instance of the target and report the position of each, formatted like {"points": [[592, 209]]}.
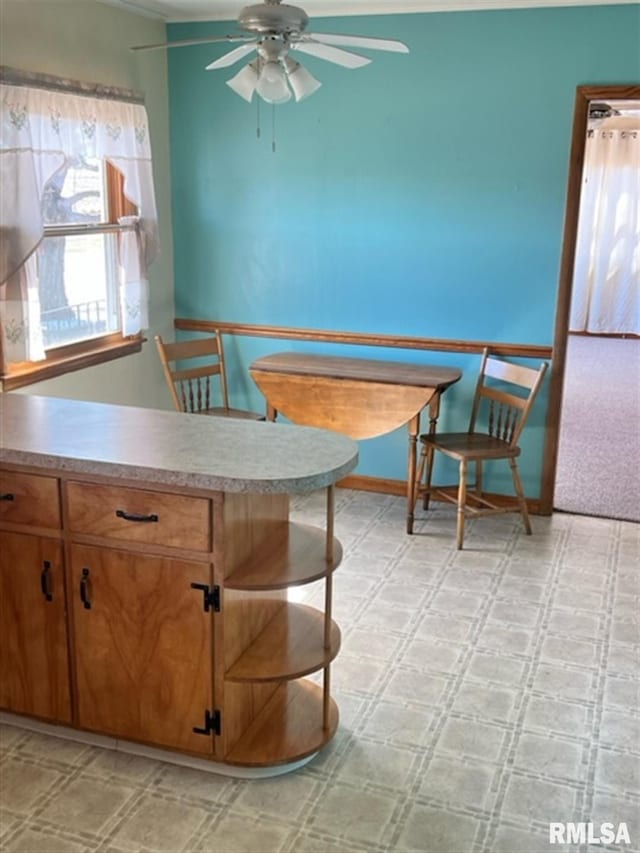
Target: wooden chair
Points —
{"points": [[504, 414], [191, 386]]}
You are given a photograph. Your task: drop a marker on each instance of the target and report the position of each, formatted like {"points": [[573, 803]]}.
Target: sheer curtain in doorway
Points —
{"points": [[606, 283]]}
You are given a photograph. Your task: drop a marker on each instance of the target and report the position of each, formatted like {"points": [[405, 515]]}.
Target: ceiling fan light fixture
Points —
{"points": [[272, 84], [301, 81], [245, 81]]}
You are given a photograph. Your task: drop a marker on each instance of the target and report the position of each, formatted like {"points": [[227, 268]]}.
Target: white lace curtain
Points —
{"points": [[40, 128], [606, 281]]}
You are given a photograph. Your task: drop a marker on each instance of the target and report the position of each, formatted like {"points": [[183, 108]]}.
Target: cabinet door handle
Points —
{"points": [[132, 516], [7, 496], [85, 592], [45, 581]]}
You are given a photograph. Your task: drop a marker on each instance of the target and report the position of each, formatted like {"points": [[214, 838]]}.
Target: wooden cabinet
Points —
{"points": [[34, 666], [142, 646], [174, 607], [29, 499], [137, 515]]}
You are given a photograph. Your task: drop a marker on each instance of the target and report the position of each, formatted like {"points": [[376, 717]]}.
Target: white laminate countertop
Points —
{"points": [[170, 448]]}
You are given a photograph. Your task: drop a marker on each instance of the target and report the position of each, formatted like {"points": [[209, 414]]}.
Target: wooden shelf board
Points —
{"points": [[288, 728], [290, 646], [293, 555]]}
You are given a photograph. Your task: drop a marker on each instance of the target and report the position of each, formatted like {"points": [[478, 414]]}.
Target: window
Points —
{"points": [[78, 256], [76, 244]]}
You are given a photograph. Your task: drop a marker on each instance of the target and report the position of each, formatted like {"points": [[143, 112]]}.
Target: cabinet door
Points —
{"points": [[34, 665], [142, 640]]}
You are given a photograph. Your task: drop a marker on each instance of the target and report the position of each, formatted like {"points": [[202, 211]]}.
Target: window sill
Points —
{"points": [[97, 352]]}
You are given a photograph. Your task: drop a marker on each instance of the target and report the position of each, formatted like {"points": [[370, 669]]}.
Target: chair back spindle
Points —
{"points": [[504, 412], [192, 387]]}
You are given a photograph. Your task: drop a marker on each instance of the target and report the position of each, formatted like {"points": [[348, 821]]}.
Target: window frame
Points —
{"points": [[98, 350]]}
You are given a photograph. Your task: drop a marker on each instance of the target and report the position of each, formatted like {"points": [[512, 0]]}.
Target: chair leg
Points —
{"points": [[479, 477], [462, 499], [429, 453], [520, 493], [417, 484]]}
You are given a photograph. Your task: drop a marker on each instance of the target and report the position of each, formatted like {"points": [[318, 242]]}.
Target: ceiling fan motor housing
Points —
{"points": [[273, 19]]}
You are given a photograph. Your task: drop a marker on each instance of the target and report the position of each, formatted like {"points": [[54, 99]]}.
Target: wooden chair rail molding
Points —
{"points": [[358, 481], [364, 338]]}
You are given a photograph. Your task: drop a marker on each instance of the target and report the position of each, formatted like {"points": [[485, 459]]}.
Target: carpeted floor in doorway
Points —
{"points": [[599, 449]]}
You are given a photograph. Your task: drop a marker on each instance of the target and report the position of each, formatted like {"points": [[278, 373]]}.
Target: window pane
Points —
{"points": [[76, 193], [78, 287]]}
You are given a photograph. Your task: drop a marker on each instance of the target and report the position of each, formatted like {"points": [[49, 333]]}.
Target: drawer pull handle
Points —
{"points": [[7, 496], [132, 516], [45, 581], [85, 594]]}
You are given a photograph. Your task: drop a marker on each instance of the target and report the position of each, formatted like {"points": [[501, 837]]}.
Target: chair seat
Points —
{"points": [[470, 445], [221, 412]]}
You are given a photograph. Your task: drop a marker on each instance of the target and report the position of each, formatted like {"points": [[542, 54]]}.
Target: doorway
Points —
{"points": [[605, 408]]}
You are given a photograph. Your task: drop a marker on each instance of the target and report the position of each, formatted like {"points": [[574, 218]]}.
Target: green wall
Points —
{"points": [[420, 195]]}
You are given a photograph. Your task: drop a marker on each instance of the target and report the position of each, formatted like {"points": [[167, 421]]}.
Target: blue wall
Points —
{"points": [[420, 195]]}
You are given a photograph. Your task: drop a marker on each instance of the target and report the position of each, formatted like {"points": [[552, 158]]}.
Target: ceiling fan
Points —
{"points": [[273, 29]]}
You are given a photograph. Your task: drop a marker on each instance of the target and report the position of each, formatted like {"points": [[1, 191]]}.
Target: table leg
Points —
{"points": [[272, 413], [434, 412], [414, 429]]}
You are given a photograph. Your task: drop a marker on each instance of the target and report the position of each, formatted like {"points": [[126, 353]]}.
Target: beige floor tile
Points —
{"points": [[354, 814], [387, 766], [159, 824], [457, 784], [510, 840], [21, 784], [560, 681], [432, 655], [484, 666], [550, 757], [10, 736], [428, 829], [33, 841], [236, 833], [112, 763], [536, 799], [87, 803], [473, 739], [616, 771], [284, 797], [399, 724], [547, 715], [57, 749], [488, 702], [413, 686]]}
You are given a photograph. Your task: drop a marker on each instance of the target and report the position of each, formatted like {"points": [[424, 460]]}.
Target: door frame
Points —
{"points": [[584, 94]]}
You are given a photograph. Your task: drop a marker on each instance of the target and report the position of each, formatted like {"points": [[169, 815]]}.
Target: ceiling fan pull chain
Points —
{"points": [[258, 117], [273, 128]]}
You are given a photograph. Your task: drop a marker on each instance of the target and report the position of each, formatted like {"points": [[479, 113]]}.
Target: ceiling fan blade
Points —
{"points": [[233, 56], [245, 81], [187, 42], [331, 54], [358, 41]]}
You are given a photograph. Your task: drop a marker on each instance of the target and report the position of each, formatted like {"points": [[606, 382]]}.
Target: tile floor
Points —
{"points": [[483, 694]]}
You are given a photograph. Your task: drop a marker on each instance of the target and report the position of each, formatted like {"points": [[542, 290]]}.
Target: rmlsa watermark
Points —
{"points": [[588, 833]]}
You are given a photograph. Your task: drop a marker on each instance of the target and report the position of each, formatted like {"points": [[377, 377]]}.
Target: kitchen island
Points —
{"points": [[145, 558]]}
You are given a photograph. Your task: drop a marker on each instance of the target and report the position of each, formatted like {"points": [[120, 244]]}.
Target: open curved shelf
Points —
{"points": [[289, 646], [294, 554], [287, 728]]}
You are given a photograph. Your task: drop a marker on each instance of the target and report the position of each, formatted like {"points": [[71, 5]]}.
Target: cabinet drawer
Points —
{"points": [[139, 516], [29, 499]]}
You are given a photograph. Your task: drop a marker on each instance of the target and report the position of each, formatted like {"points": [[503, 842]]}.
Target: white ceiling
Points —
{"points": [[227, 10]]}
